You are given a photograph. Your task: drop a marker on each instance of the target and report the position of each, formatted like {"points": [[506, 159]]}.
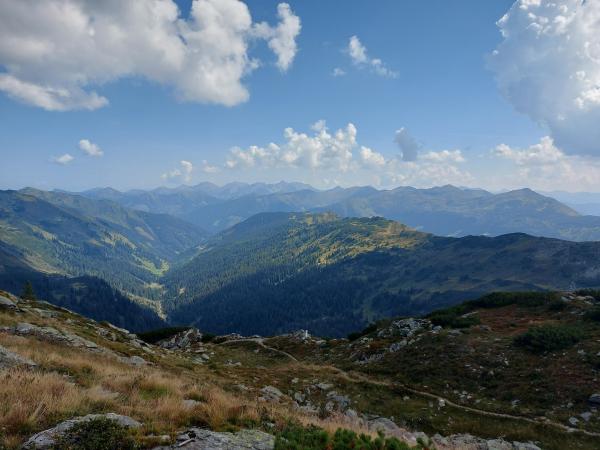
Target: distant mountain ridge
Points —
{"points": [[445, 210]]}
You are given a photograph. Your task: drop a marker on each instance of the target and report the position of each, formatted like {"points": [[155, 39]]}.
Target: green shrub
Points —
{"points": [[358, 334], [207, 337], [295, 437], [547, 338], [96, 434], [452, 317], [153, 336]]}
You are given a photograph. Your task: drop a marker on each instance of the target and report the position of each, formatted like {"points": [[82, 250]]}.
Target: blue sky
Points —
{"points": [[440, 88]]}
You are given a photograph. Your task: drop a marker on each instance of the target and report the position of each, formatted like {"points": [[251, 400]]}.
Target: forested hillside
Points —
{"points": [[279, 272], [74, 236]]}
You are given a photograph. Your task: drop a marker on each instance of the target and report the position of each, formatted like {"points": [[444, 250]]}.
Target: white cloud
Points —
{"points": [[282, 38], [55, 52], [338, 72], [322, 150], [409, 147], [454, 156], [182, 173], [358, 55], [207, 168], [63, 159], [371, 158], [89, 148], [327, 158], [548, 67], [545, 166]]}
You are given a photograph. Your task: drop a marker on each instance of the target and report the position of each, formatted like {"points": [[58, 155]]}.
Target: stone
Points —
{"points": [[271, 394], [47, 439], [201, 439], [404, 328], [586, 416], [594, 399], [184, 340], [324, 386], [7, 303], [189, 403], [396, 346], [9, 359], [573, 421]]}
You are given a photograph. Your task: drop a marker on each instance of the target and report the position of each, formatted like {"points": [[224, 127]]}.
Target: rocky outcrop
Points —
{"points": [[51, 334], [468, 442], [48, 438], [184, 340], [9, 359], [201, 439], [405, 328], [7, 303]]}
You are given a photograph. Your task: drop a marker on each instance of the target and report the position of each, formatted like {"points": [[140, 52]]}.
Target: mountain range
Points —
{"points": [[446, 210], [272, 258]]}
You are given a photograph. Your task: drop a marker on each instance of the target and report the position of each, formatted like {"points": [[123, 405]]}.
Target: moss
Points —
{"points": [[97, 434]]}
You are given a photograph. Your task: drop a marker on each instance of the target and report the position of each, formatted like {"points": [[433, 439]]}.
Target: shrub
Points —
{"points": [[593, 314], [96, 434], [153, 336], [295, 437], [452, 317], [547, 338], [358, 334]]}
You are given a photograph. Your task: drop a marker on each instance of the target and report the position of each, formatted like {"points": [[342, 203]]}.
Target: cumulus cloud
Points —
{"points": [[548, 67], [54, 53], [89, 148], [409, 147], [63, 159], [282, 38], [545, 166], [338, 72], [322, 150], [182, 173], [360, 58], [338, 157]]}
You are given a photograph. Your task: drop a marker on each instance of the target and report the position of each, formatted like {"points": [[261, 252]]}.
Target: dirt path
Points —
{"points": [[260, 342]]}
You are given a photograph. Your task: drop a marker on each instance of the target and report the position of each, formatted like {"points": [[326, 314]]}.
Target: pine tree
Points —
{"points": [[28, 293]]}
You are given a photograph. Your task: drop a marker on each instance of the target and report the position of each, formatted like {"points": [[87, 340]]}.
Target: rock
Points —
{"points": [[594, 399], [54, 335], [189, 403], [270, 394], [342, 401], [9, 359], [300, 335], [184, 340], [586, 416], [573, 421], [134, 360], [404, 328], [201, 439], [324, 386], [396, 346], [47, 439], [7, 303]]}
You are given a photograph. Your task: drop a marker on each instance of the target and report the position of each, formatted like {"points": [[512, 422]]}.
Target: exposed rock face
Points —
{"points": [[594, 399], [468, 442], [7, 303], [270, 394], [200, 439], [47, 439], [9, 359], [52, 334], [182, 341], [404, 328]]}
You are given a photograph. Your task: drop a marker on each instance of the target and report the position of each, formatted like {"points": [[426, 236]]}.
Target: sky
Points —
{"points": [[140, 94]]}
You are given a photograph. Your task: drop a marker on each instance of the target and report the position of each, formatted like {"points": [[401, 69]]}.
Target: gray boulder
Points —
{"points": [[9, 359], [200, 439], [47, 439], [182, 341], [594, 399], [7, 303]]}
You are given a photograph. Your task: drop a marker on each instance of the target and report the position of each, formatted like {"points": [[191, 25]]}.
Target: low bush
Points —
{"points": [[153, 336], [548, 338], [97, 434], [593, 314], [295, 437], [358, 334]]}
